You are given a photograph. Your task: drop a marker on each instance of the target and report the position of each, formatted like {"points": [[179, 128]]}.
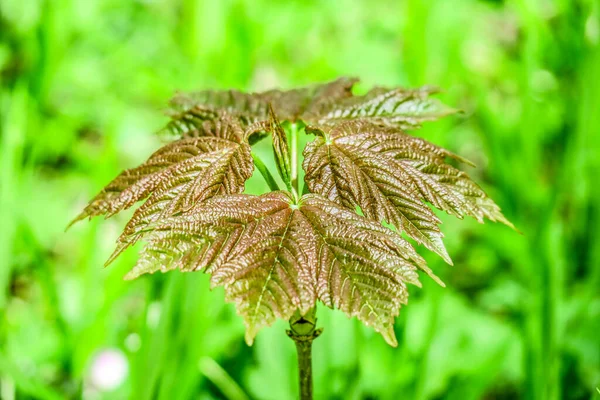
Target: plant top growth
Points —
{"points": [[337, 239]]}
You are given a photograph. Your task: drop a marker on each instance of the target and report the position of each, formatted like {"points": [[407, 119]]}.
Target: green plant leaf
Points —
{"points": [[276, 257]]}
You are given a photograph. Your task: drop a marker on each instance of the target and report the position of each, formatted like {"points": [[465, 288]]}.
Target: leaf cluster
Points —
{"points": [[280, 252]]}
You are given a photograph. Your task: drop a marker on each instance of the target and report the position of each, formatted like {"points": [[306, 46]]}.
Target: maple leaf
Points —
{"points": [[389, 175], [275, 257], [397, 107], [179, 175], [189, 110]]}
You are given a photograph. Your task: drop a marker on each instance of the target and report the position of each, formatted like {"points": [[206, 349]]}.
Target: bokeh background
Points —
{"points": [[82, 84]]}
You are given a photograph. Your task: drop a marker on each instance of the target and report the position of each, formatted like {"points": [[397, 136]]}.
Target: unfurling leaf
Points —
{"points": [[281, 150], [275, 256], [389, 175]]}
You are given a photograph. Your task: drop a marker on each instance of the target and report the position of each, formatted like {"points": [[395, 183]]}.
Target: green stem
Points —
{"points": [[303, 331], [264, 171]]}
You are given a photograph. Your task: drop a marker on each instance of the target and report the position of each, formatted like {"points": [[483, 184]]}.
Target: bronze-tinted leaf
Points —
{"points": [[276, 256], [192, 121], [194, 108], [398, 107], [189, 110], [179, 175], [361, 268], [388, 174], [353, 176], [439, 183], [294, 104]]}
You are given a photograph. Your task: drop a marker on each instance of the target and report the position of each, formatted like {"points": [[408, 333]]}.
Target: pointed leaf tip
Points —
{"points": [[130, 276], [78, 218], [249, 337], [389, 335], [121, 247], [437, 245]]}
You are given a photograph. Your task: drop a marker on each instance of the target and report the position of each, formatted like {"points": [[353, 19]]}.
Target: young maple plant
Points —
{"points": [[280, 253]]}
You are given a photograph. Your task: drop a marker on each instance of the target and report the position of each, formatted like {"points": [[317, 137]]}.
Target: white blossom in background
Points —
{"points": [[108, 370]]}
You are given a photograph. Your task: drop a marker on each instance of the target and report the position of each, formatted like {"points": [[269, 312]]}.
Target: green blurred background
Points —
{"points": [[82, 84]]}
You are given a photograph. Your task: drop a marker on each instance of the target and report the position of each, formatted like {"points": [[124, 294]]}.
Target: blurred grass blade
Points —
{"points": [[13, 108], [221, 379]]}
